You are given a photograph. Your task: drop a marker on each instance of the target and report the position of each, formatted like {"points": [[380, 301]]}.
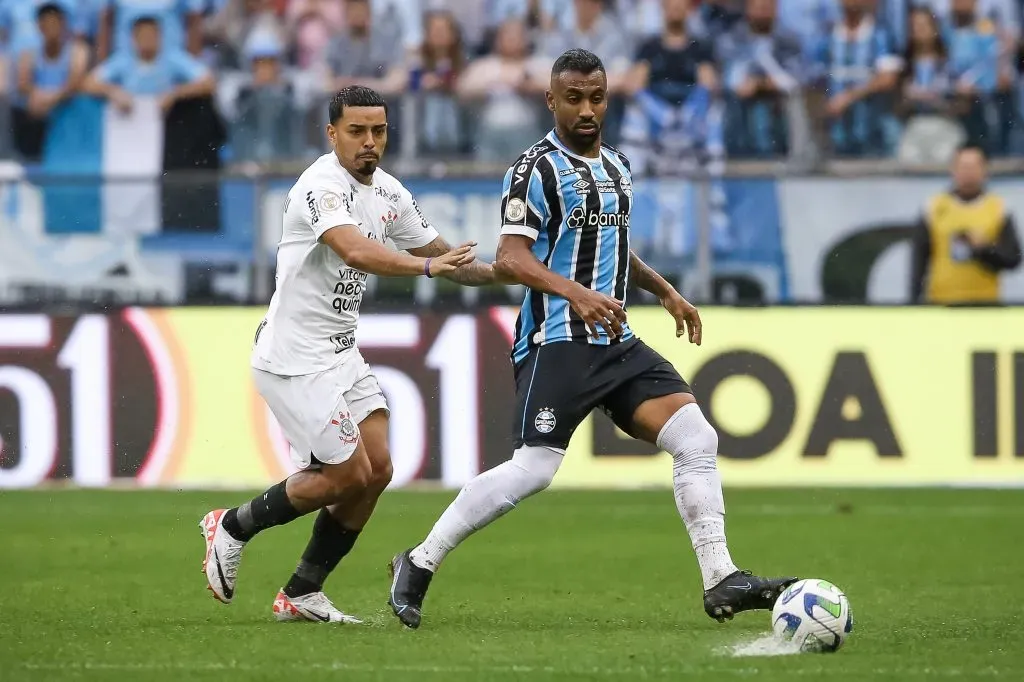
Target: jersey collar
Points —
{"points": [[553, 139]]}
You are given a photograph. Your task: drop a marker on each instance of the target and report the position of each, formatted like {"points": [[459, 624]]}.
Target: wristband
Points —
{"points": [[426, 268]]}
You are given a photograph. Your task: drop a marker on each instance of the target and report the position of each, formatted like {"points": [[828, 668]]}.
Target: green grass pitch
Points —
{"points": [[572, 586]]}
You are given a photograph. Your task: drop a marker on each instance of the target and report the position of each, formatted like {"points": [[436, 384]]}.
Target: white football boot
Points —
{"points": [[315, 607], [223, 554]]}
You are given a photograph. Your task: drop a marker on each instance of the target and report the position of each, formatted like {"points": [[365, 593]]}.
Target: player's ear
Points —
{"points": [[550, 97], [332, 135]]}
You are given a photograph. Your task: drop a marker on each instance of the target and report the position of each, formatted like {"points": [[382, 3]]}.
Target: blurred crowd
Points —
{"points": [[737, 78]]}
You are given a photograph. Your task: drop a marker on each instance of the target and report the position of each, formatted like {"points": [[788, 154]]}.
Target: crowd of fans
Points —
{"points": [[744, 78]]}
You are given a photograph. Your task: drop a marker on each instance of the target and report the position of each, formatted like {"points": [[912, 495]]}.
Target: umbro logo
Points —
{"points": [[581, 186]]}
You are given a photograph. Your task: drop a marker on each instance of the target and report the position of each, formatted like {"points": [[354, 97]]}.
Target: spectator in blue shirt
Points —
{"points": [[264, 129], [180, 23], [809, 19], [974, 57], [973, 49], [861, 71], [49, 72], [763, 66], [18, 26], [1005, 13], [926, 86], [149, 70]]}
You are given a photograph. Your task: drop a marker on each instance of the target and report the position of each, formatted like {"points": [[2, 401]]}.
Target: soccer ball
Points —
{"points": [[814, 615]]}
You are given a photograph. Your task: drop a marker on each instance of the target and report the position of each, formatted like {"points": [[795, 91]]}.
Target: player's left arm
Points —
{"points": [[683, 312]]}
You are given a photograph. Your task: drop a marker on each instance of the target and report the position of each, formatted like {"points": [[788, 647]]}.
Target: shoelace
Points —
{"points": [[319, 601]]}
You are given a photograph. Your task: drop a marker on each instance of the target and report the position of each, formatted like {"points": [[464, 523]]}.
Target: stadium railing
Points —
{"points": [[760, 234]]}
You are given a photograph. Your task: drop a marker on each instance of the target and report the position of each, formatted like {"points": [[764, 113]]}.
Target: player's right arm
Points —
{"points": [[376, 259], [327, 211], [524, 212]]}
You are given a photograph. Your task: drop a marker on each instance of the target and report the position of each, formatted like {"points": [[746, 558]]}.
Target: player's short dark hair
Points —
{"points": [[49, 8], [354, 96], [147, 20], [972, 147], [577, 60]]}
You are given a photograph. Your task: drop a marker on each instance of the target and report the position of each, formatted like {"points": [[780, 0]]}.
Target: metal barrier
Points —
{"points": [[198, 237]]}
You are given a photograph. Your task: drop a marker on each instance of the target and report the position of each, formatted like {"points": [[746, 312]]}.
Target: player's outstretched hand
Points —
{"points": [[453, 260], [686, 316], [598, 310]]}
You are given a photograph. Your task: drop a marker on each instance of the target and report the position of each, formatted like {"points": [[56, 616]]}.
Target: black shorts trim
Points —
{"points": [[559, 384]]}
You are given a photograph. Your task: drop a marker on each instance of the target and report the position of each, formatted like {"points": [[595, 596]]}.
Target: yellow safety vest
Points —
{"points": [[953, 279]]}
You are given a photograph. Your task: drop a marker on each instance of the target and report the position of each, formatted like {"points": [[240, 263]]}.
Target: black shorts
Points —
{"points": [[558, 385]]}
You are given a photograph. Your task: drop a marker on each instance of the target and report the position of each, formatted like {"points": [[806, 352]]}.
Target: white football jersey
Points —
{"points": [[312, 317]]}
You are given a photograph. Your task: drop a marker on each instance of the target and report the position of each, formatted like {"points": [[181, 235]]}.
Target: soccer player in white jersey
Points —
{"points": [[305, 362]]}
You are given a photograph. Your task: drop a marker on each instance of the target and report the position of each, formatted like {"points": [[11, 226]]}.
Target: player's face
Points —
{"points": [[359, 138], [579, 103], [969, 172]]}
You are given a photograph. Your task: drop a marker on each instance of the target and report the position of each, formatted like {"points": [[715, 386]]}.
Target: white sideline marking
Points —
{"points": [[628, 671], [871, 510], [762, 646], [750, 511]]}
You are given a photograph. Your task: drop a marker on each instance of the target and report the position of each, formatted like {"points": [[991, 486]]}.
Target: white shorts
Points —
{"points": [[320, 413]]}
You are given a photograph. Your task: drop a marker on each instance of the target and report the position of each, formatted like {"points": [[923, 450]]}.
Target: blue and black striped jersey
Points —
{"points": [[576, 210]]}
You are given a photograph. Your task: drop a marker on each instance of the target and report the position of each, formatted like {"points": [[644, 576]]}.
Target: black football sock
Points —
{"points": [[330, 542], [272, 508]]}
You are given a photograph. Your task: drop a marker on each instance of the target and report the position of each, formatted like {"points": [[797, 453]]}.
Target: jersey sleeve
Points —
{"points": [[326, 204], [186, 68], [412, 230], [523, 207], [112, 70]]}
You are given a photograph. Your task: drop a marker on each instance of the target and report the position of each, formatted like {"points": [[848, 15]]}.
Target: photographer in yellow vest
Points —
{"points": [[964, 240]]}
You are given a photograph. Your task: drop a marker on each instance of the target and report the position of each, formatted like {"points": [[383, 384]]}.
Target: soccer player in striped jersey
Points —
{"points": [[565, 237]]}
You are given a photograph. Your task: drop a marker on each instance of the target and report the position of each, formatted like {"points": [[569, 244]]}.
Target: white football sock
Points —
{"points": [[693, 444], [487, 497]]}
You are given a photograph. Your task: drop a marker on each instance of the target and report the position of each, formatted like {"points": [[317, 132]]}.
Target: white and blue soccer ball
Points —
{"points": [[813, 615]]}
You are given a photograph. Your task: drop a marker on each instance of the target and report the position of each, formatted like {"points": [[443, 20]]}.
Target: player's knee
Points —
{"points": [[690, 439], [381, 473], [355, 473], [538, 466], [362, 473]]}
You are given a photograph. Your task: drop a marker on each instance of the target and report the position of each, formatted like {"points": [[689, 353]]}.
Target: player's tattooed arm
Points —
{"points": [[683, 312], [474, 274]]}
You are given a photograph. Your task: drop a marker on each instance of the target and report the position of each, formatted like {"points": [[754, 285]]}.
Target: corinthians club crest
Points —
{"points": [[347, 431], [389, 221]]}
